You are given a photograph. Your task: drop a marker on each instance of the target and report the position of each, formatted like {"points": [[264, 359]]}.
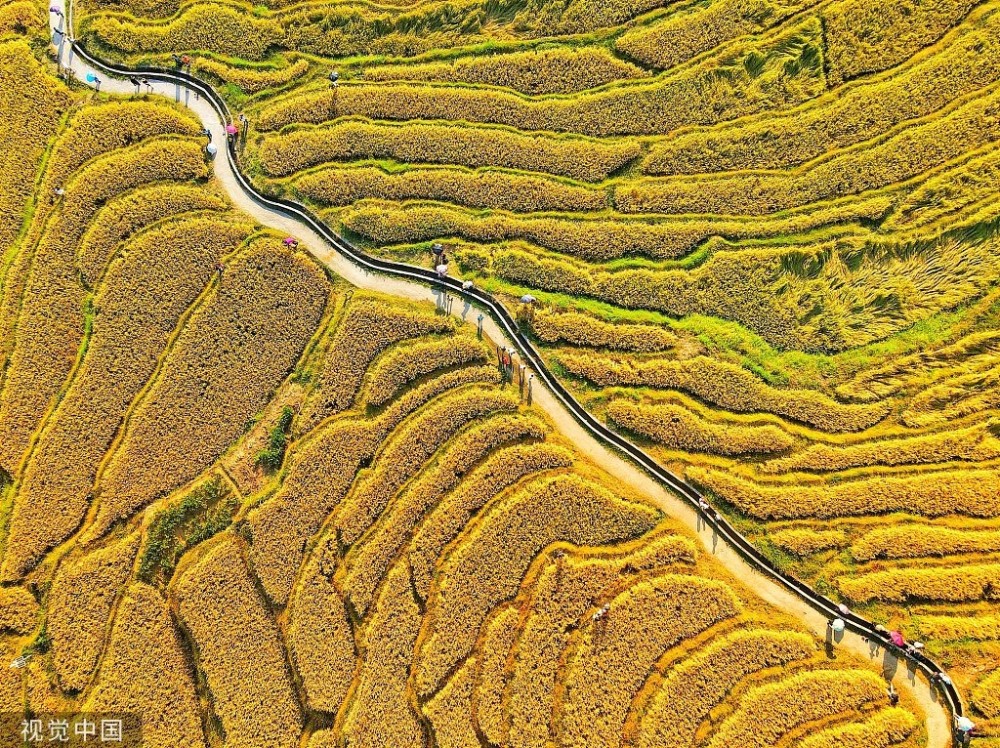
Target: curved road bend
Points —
{"points": [[594, 439]]}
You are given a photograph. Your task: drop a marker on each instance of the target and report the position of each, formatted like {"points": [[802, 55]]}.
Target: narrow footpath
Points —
{"points": [[903, 673]]}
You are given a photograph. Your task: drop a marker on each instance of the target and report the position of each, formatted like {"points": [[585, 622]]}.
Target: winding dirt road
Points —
{"points": [[938, 720]]}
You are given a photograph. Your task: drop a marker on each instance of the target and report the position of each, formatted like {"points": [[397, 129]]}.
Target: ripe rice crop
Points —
{"points": [[915, 541], [613, 657], [489, 560], [695, 686], [402, 366], [520, 193], [251, 330], [986, 695], [410, 446], [972, 444], [956, 628], [895, 159], [319, 477], [136, 310], [51, 326], [687, 33], [449, 709], [773, 72], [492, 650], [422, 142], [676, 427], [805, 542], [820, 298], [130, 213], [21, 17], [239, 650], [371, 556], [251, 80], [770, 711], [369, 326], [380, 712], [584, 330], [866, 36], [594, 238], [932, 495], [224, 30], [319, 633], [549, 71], [501, 471], [145, 671], [559, 596], [79, 607], [889, 378], [18, 610], [784, 139], [725, 385], [954, 398], [316, 484], [98, 129], [946, 194], [31, 104], [944, 584], [883, 729]]}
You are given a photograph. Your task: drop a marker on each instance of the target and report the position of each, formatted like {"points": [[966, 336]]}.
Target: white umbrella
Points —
{"points": [[211, 149], [838, 625], [528, 299], [965, 724]]}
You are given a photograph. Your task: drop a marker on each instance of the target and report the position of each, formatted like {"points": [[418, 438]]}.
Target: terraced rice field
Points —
{"points": [[762, 236], [421, 559]]}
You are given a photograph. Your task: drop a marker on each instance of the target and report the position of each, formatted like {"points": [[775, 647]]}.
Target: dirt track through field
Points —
{"points": [[906, 680]]}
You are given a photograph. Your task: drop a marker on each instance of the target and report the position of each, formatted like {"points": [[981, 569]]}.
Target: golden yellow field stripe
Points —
{"points": [[319, 633], [804, 541], [486, 564], [973, 444], [128, 214], [146, 670], [409, 448], [369, 326], [769, 712], [915, 541], [885, 728], [936, 494], [252, 330], [426, 142], [401, 366], [560, 591], [83, 596], [964, 583], [139, 306], [550, 71], [964, 62], [678, 428], [51, 322], [726, 385], [321, 473], [612, 656], [380, 711], [522, 193], [503, 470], [367, 561], [696, 685], [493, 649], [239, 649]]}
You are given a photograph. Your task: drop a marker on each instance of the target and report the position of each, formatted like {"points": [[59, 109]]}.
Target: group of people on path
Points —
{"points": [[895, 642]]}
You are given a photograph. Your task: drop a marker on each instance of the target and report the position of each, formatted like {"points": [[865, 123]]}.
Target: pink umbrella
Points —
{"points": [[232, 129], [897, 638], [290, 240]]}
